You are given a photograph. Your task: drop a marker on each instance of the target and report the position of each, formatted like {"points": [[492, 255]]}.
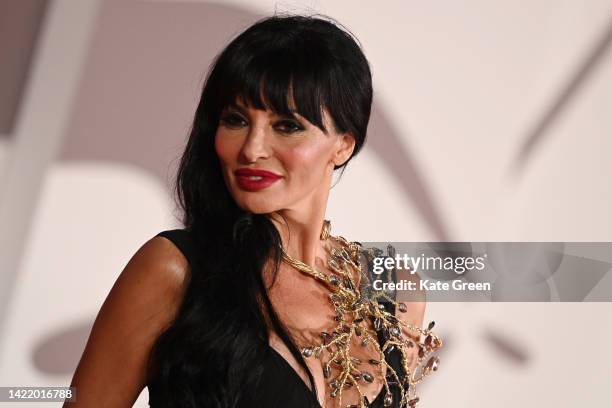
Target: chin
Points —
{"points": [[257, 206]]}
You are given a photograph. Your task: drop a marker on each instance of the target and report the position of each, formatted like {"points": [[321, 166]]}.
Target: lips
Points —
{"points": [[254, 179]]}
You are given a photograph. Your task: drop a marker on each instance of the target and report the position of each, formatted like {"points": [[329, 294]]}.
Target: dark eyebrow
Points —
{"points": [[237, 107]]}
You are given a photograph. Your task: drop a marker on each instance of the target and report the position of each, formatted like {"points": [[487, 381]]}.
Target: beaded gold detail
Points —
{"points": [[325, 230], [352, 310]]}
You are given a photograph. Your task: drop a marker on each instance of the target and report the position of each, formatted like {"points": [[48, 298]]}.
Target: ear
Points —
{"points": [[346, 145]]}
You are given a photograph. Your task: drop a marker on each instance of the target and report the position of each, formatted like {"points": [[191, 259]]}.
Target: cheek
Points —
{"points": [[306, 161], [223, 147]]}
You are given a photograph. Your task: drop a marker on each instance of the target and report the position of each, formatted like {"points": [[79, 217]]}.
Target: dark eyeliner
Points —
{"points": [[295, 126], [232, 119]]}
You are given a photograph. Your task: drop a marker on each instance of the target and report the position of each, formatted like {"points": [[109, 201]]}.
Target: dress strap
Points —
{"points": [[183, 240]]}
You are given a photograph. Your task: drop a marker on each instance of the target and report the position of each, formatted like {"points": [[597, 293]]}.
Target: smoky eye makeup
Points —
{"points": [[288, 126], [232, 119]]}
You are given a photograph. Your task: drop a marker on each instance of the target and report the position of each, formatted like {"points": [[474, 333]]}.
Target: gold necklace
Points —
{"points": [[352, 311]]}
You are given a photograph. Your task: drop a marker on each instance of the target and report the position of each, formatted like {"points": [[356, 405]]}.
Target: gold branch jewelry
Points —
{"points": [[353, 310], [325, 230]]}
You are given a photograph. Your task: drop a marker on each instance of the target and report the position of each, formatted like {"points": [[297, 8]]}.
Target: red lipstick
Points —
{"points": [[254, 179]]}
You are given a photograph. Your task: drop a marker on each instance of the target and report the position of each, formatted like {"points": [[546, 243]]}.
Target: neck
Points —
{"points": [[300, 229]]}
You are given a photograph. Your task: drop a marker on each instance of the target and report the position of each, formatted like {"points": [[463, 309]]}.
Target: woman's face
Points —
{"points": [[271, 162]]}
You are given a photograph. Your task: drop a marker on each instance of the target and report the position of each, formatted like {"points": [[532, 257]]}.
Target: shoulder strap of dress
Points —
{"points": [[183, 240]]}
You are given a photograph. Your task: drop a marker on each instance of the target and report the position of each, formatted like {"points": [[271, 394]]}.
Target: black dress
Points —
{"points": [[280, 386]]}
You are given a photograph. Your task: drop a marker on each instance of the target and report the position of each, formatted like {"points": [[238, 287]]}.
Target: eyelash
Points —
{"points": [[232, 120], [294, 126], [235, 121]]}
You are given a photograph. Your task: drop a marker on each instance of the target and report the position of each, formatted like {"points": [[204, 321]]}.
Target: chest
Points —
{"points": [[303, 306]]}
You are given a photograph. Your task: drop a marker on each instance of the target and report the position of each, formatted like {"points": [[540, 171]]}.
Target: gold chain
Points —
{"points": [[353, 309]]}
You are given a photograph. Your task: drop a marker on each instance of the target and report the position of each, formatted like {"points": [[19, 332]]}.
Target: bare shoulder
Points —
{"points": [[153, 280], [142, 303], [160, 261]]}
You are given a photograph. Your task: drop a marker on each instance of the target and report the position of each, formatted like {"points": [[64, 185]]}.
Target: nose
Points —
{"points": [[255, 145]]}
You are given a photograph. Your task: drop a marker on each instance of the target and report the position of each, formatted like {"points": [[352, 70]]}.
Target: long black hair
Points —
{"points": [[218, 340]]}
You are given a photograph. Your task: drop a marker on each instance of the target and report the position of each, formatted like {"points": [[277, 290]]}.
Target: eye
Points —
{"points": [[233, 120], [288, 126]]}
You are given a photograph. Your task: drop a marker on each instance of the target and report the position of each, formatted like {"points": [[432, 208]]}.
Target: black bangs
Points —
{"points": [[289, 78]]}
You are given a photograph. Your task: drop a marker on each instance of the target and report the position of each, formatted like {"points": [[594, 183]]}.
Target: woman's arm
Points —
{"points": [[143, 301]]}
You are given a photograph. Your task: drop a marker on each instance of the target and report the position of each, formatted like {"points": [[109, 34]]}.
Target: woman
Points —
{"points": [[254, 303]]}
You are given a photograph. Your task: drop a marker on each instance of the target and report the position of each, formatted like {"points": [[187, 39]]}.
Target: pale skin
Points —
{"points": [[145, 297]]}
